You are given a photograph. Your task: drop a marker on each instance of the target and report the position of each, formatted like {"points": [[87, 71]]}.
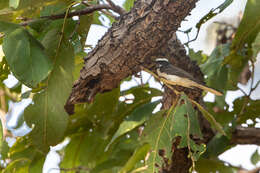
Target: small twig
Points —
{"points": [[103, 11], [256, 85], [242, 91], [106, 12], [253, 75], [141, 77], [79, 168], [85, 11], [116, 8]]}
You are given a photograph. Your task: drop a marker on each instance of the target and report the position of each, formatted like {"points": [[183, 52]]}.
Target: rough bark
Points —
{"points": [[128, 45], [146, 32]]}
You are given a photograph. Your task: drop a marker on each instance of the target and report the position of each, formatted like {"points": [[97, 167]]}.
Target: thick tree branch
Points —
{"points": [[127, 45], [244, 135]]}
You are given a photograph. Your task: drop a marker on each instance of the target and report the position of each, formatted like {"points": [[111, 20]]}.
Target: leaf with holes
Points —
{"points": [[161, 130]]}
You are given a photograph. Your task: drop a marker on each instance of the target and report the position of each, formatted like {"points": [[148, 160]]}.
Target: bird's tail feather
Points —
{"points": [[217, 93]]}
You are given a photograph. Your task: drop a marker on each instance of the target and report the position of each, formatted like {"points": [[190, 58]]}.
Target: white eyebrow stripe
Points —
{"points": [[162, 59]]}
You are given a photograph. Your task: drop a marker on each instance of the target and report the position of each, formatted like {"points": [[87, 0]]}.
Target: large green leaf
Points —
{"points": [[176, 122], [26, 57], [47, 114], [249, 26], [136, 118], [8, 27]]}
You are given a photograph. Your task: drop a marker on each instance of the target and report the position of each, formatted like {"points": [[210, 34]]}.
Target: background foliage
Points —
{"points": [[119, 131]]}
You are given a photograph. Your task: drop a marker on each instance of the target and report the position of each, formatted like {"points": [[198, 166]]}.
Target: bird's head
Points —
{"points": [[161, 62]]}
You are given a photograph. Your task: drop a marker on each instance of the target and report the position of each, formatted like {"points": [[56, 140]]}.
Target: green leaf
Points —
{"points": [[255, 158], [256, 46], [3, 144], [83, 28], [47, 114], [138, 155], [26, 57], [128, 4], [84, 149], [7, 26], [197, 56], [14, 3], [217, 145], [176, 122], [212, 13], [36, 165], [249, 25], [205, 165], [245, 109], [214, 68], [135, 119], [211, 119], [17, 166]]}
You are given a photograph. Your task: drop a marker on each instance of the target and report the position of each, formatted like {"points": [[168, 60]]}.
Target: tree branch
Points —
{"points": [[127, 45], [246, 136], [116, 8], [84, 11]]}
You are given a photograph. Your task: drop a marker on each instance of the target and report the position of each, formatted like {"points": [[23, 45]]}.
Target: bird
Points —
{"points": [[177, 76]]}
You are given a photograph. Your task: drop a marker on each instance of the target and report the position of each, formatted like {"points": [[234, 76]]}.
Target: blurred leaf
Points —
{"points": [[47, 113], [36, 165], [245, 109], [14, 3], [135, 119], [3, 144], [213, 12], [205, 165], [57, 8], [214, 68], [197, 56], [84, 149], [256, 46], [83, 28], [4, 70], [17, 166], [211, 119], [128, 4], [249, 26], [255, 158], [96, 20], [138, 155], [217, 145], [7, 27], [28, 62]]}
